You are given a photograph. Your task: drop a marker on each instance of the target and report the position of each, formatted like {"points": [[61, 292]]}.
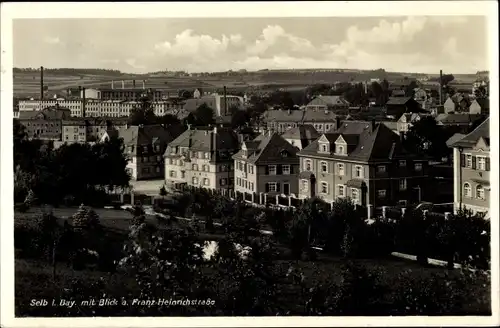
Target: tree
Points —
{"points": [[239, 119], [86, 218], [204, 115], [426, 137], [410, 89], [163, 191], [168, 119], [143, 114], [447, 78]]}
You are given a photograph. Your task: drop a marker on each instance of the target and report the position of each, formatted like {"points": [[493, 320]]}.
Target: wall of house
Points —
{"points": [[43, 129], [74, 133], [280, 179]]}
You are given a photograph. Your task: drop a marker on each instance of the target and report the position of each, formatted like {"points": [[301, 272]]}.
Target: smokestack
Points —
{"points": [[41, 82], [112, 84], [225, 101], [337, 123], [440, 87], [123, 84], [143, 84], [83, 102], [133, 83]]}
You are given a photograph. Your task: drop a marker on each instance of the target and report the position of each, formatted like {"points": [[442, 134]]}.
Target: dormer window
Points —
{"points": [[340, 146], [284, 153]]}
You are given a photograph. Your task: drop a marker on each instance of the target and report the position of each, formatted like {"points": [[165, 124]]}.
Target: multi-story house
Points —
{"points": [[220, 104], [397, 106], [145, 146], [364, 161], [75, 106], [44, 124], [471, 170], [301, 136], [282, 120], [90, 129], [405, 122], [129, 94], [331, 103], [267, 164], [201, 158]]}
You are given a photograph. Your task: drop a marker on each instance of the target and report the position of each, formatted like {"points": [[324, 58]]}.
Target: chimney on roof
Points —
{"points": [[41, 82], [337, 123], [112, 84], [143, 84], [123, 84]]}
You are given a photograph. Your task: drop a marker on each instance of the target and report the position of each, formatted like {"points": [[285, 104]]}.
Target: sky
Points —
{"points": [[423, 44]]}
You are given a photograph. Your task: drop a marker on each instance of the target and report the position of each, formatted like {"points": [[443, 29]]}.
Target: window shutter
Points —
{"points": [[278, 187], [267, 187], [487, 163], [279, 169], [291, 169], [474, 162], [267, 170], [462, 160]]}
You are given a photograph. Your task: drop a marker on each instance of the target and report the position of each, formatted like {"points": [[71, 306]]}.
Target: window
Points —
{"points": [[158, 158], [381, 193], [340, 169], [272, 187], [172, 174], [145, 170], [205, 168], [323, 147], [251, 186], [206, 182], [324, 188], [238, 181], [272, 169], [381, 169], [324, 167], [144, 159], [307, 165], [285, 169], [223, 181], [340, 191], [250, 169], [402, 184], [418, 167], [304, 185], [355, 195], [207, 155], [158, 169], [479, 192], [358, 171], [481, 163], [340, 150], [469, 161], [467, 190], [195, 180], [145, 149], [194, 167]]}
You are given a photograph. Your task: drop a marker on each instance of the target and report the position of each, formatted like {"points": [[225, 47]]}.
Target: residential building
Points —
{"points": [[87, 129], [301, 136], [145, 146], [461, 121], [397, 106], [75, 106], [364, 161], [45, 124], [328, 103], [282, 120], [471, 170], [267, 164], [405, 122], [480, 106], [202, 158]]}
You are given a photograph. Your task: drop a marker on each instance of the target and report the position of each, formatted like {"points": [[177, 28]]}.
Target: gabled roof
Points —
{"points": [[484, 103], [50, 113], [398, 100], [283, 116], [268, 149], [301, 132], [370, 142], [482, 131], [202, 140], [454, 138], [332, 100], [148, 134], [464, 118]]}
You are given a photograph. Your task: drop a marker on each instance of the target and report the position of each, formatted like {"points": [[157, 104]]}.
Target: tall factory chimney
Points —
{"points": [[143, 84], [440, 87], [225, 101], [133, 83], [41, 82], [123, 84], [83, 101], [112, 84]]}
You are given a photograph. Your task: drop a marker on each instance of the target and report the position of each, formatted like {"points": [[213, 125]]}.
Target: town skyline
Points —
{"points": [[425, 43]]}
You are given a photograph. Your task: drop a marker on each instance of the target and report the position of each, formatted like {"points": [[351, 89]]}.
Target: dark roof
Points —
{"points": [[192, 104], [268, 148], [484, 103], [51, 113], [301, 132], [369, 142], [398, 100], [299, 116], [331, 100], [149, 134], [459, 118], [225, 139], [454, 138], [482, 131]]}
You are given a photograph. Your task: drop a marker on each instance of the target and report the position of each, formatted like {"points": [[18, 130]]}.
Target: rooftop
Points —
{"points": [[482, 131], [267, 148]]}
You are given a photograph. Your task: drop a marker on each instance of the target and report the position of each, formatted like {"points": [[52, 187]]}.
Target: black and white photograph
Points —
{"points": [[283, 164]]}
